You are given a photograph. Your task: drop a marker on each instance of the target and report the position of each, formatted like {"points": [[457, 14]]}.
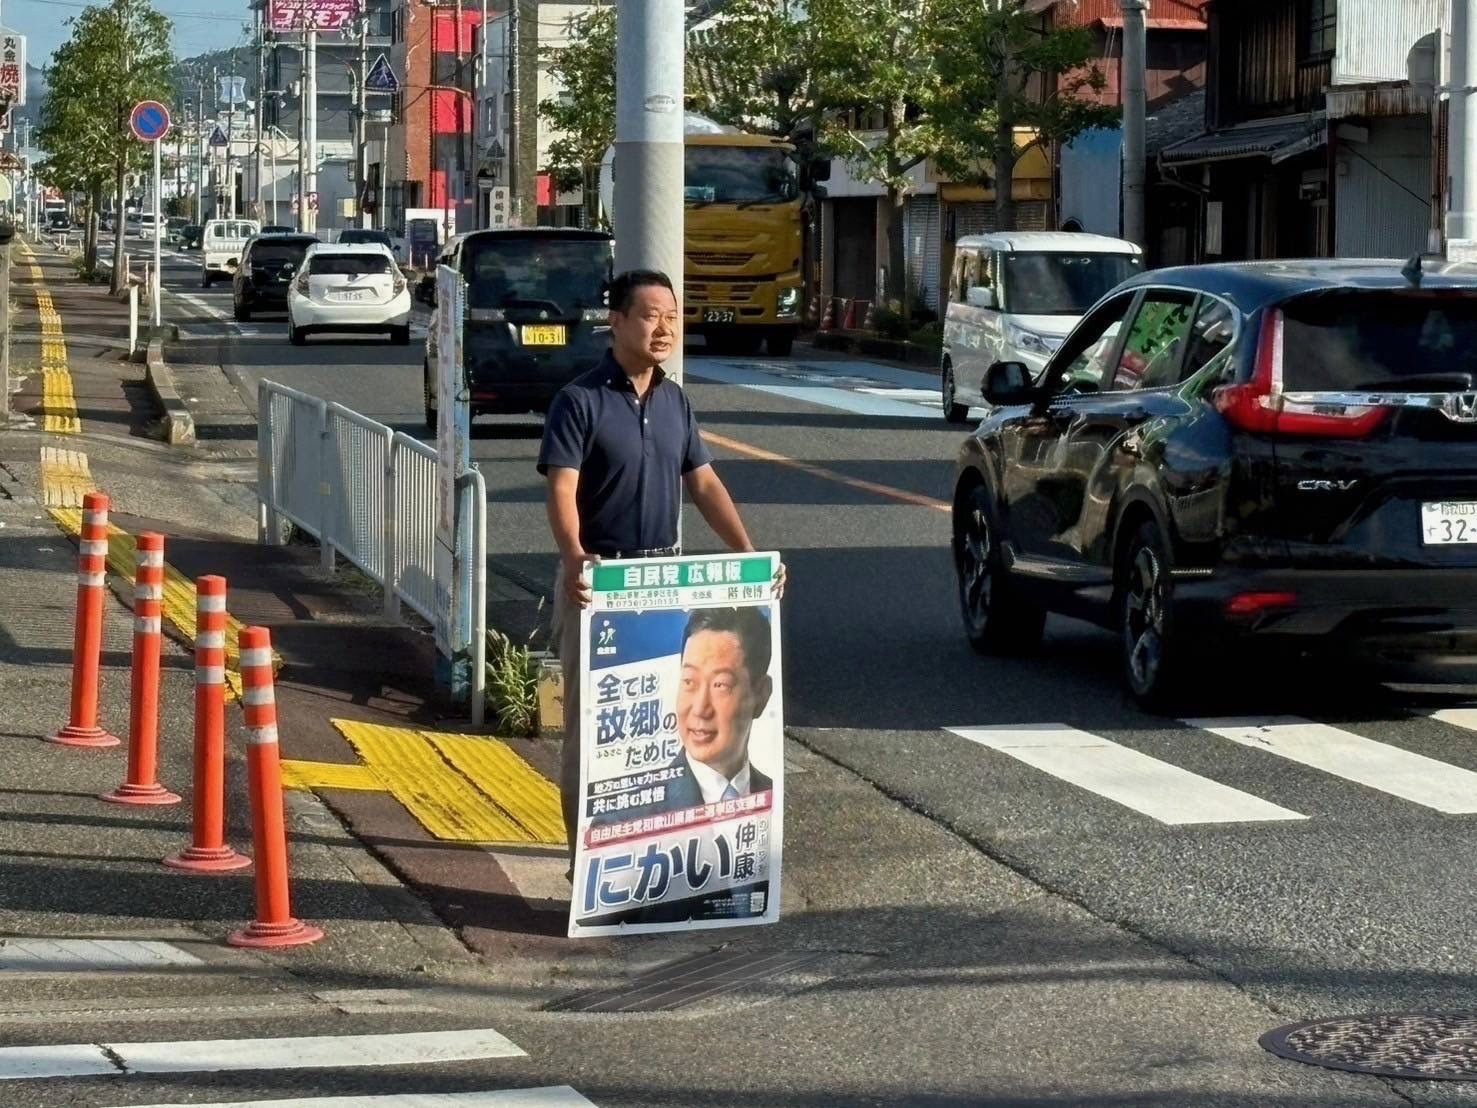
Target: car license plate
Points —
{"points": [[718, 315], [348, 297], [1448, 522], [543, 334]]}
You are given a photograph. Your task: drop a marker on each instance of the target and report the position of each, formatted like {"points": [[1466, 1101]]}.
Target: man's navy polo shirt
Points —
{"points": [[631, 455]]}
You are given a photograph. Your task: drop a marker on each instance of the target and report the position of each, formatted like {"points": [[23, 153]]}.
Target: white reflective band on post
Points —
{"points": [[148, 592], [149, 625], [210, 675], [94, 519], [211, 640], [152, 558], [94, 548], [255, 698], [210, 603], [262, 736], [92, 580], [256, 656]]}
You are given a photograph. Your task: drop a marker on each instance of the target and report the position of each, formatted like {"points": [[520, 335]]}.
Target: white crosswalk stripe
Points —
{"points": [[1410, 776], [561, 1096], [215, 1055], [1172, 795], [1126, 776]]}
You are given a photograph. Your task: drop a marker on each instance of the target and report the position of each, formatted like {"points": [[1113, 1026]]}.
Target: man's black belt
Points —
{"points": [[654, 552]]}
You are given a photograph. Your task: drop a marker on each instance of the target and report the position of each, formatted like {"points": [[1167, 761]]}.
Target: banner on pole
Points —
{"points": [[303, 15], [451, 450], [13, 68], [682, 763]]}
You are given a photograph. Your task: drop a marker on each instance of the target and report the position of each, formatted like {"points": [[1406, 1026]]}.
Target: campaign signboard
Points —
{"points": [[682, 767], [13, 68]]}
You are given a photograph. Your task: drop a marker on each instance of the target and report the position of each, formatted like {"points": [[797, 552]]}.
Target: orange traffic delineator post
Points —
{"points": [[274, 924], [208, 851], [92, 559], [142, 783]]}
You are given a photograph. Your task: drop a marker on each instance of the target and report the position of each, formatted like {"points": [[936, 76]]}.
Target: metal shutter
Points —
{"points": [[921, 247]]}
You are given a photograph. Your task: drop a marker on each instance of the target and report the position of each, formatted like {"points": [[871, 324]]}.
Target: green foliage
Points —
{"points": [[759, 68], [117, 55], [584, 116], [890, 324], [512, 684], [992, 61]]}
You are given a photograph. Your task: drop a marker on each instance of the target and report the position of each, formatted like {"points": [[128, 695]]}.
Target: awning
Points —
{"points": [[1151, 23], [1275, 141]]}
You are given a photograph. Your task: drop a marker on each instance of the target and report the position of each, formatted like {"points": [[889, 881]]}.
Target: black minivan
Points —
{"points": [[268, 265], [536, 316], [1280, 453]]}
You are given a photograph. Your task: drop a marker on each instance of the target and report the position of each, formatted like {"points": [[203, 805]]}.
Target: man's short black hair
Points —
{"points": [[624, 287], [751, 626]]}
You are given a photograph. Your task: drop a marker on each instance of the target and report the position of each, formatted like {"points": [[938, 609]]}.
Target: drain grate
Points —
{"points": [[1402, 1044], [687, 981]]}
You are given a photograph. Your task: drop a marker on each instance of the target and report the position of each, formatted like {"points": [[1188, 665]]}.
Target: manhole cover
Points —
{"points": [[1423, 1046], [686, 981]]}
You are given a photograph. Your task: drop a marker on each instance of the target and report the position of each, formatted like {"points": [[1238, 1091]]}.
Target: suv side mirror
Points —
{"points": [[1008, 383], [980, 297]]}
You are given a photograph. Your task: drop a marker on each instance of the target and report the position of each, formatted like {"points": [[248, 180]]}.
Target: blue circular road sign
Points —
{"points": [[149, 120]]}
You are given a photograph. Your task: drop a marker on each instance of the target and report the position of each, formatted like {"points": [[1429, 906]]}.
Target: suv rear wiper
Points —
{"points": [[1418, 381]]}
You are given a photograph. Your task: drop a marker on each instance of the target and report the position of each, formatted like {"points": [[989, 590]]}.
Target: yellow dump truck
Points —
{"points": [[743, 279]]}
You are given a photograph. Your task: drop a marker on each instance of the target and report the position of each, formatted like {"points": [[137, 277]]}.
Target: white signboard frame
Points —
{"points": [[451, 450], [681, 799]]}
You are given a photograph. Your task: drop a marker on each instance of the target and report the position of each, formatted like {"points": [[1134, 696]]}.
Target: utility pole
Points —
{"points": [[1134, 110], [648, 217], [1461, 214], [261, 86], [302, 136], [231, 140], [361, 98], [513, 101], [200, 160], [309, 221]]}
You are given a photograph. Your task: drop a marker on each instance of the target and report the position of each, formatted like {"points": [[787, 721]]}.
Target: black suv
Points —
{"points": [[1277, 452], [268, 265]]}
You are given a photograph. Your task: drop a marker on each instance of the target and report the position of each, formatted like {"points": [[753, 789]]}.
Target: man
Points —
{"points": [[619, 445]]}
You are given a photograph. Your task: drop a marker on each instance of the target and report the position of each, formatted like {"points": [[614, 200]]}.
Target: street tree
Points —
{"points": [[1000, 72], [583, 114], [117, 55], [876, 58]]}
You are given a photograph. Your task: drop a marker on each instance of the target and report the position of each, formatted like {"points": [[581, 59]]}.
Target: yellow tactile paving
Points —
{"points": [[65, 477], [179, 590], [508, 781], [330, 775], [442, 800], [58, 399]]}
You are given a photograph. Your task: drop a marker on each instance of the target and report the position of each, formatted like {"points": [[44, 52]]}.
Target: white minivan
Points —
{"points": [[1015, 296]]}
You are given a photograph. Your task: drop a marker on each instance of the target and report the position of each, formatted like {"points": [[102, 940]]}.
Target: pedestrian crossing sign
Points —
{"points": [[218, 136], [381, 78]]}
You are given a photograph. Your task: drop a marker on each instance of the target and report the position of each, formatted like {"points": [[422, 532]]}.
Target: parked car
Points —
{"points": [[1013, 297], [1271, 453], [58, 221], [268, 265], [349, 288], [278, 229], [366, 234], [536, 316], [146, 225], [221, 243]]}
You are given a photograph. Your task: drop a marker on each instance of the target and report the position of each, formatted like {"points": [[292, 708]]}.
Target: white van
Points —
{"points": [[1015, 296], [221, 244]]}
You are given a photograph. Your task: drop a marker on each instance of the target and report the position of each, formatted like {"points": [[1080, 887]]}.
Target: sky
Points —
{"points": [[199, 25]]}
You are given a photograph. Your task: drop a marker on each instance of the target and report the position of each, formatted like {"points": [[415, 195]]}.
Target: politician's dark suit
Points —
{"points": [[682, 792]]}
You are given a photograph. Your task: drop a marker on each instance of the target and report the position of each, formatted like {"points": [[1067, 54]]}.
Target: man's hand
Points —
{"points": [[576, 587], [779, 581]]}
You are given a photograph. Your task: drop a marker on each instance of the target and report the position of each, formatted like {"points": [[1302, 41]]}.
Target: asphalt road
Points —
{"points": [[1357, 898]]}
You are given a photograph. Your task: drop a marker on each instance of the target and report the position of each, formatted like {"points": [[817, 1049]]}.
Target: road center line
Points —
{"points": [[1389, 769], [561, 1096], [903, 496], [1125, 776]]}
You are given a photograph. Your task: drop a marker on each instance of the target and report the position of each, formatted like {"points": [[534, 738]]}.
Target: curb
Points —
{"points": [[177, 422]]}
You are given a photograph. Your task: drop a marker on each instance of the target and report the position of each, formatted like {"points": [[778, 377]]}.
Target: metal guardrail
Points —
{"points": [[366, 493]]}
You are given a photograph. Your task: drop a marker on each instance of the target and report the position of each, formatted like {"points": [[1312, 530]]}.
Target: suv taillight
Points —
{"points": [[1260, 405]]}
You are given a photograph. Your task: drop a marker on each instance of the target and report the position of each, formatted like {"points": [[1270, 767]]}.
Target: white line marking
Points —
{"points": [[1465, 718], [1389, 769], [561, 1096], [1125, 776], [20, 1063], [208, 1056]]}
